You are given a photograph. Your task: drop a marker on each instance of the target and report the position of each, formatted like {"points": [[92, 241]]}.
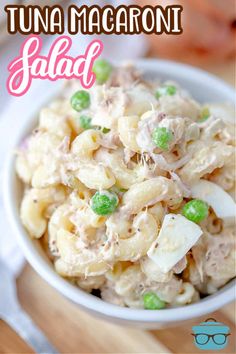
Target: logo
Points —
{"points": [[211, 335]]}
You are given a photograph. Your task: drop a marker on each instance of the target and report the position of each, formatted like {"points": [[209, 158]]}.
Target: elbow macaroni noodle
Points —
{"points": [[105, 246]]}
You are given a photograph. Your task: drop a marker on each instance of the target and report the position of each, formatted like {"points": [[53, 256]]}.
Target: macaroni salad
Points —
{"points": [[129, 187]]}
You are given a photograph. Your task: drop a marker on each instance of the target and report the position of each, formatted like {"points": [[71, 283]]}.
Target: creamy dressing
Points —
{"points": [[63, 165]]}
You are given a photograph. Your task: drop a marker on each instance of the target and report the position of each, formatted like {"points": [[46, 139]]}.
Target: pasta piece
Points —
{"points": [[158, 212], [76, 262], [95, 176], [150, 192], [114, 227], [206, 160], [23, 169], [41, 145], [179, 106], [186, 295], [128, 281], [127, 128], [140, 100], [59, 220], [136, 246], [153, 272], [225, 176], [45, 176], [124, 177], [63, 106], [33, 206], [54, 122], [114, 274], [86, 143]]}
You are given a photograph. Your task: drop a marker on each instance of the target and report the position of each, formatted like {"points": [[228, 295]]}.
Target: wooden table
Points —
{"points": [[73, 331]]}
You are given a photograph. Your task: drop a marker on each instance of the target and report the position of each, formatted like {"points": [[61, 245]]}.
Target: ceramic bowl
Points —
{"points": [[23, 116]]}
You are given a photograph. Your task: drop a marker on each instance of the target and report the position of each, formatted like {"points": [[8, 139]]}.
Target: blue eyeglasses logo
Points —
{"points": [[211, 335]]}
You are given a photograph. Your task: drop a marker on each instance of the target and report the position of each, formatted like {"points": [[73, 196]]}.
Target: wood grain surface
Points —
{"points": [[73, 331]]}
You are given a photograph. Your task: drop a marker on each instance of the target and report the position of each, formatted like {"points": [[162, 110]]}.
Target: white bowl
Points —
{"points": [[204, 87]]}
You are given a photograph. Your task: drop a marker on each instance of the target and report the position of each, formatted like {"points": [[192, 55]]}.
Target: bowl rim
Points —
{"points": [[79, 296]]}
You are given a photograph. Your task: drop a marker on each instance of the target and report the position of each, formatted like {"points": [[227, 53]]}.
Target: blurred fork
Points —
{"points": [[12, 313]]}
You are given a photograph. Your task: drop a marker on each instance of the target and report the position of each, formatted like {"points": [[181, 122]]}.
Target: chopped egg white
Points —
{"points": [[215, 196], [177, 235]]}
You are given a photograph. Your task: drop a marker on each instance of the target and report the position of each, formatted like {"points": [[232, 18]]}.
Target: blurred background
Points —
{"points": [[208, 41]]}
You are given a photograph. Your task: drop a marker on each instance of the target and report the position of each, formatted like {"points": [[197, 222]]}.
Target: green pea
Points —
{"points": [[166, 90], [85, 122], [152, 301], [204, 115], [104, 202], [196, 210], [102, 69], [162, 137], [80, 100]]}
